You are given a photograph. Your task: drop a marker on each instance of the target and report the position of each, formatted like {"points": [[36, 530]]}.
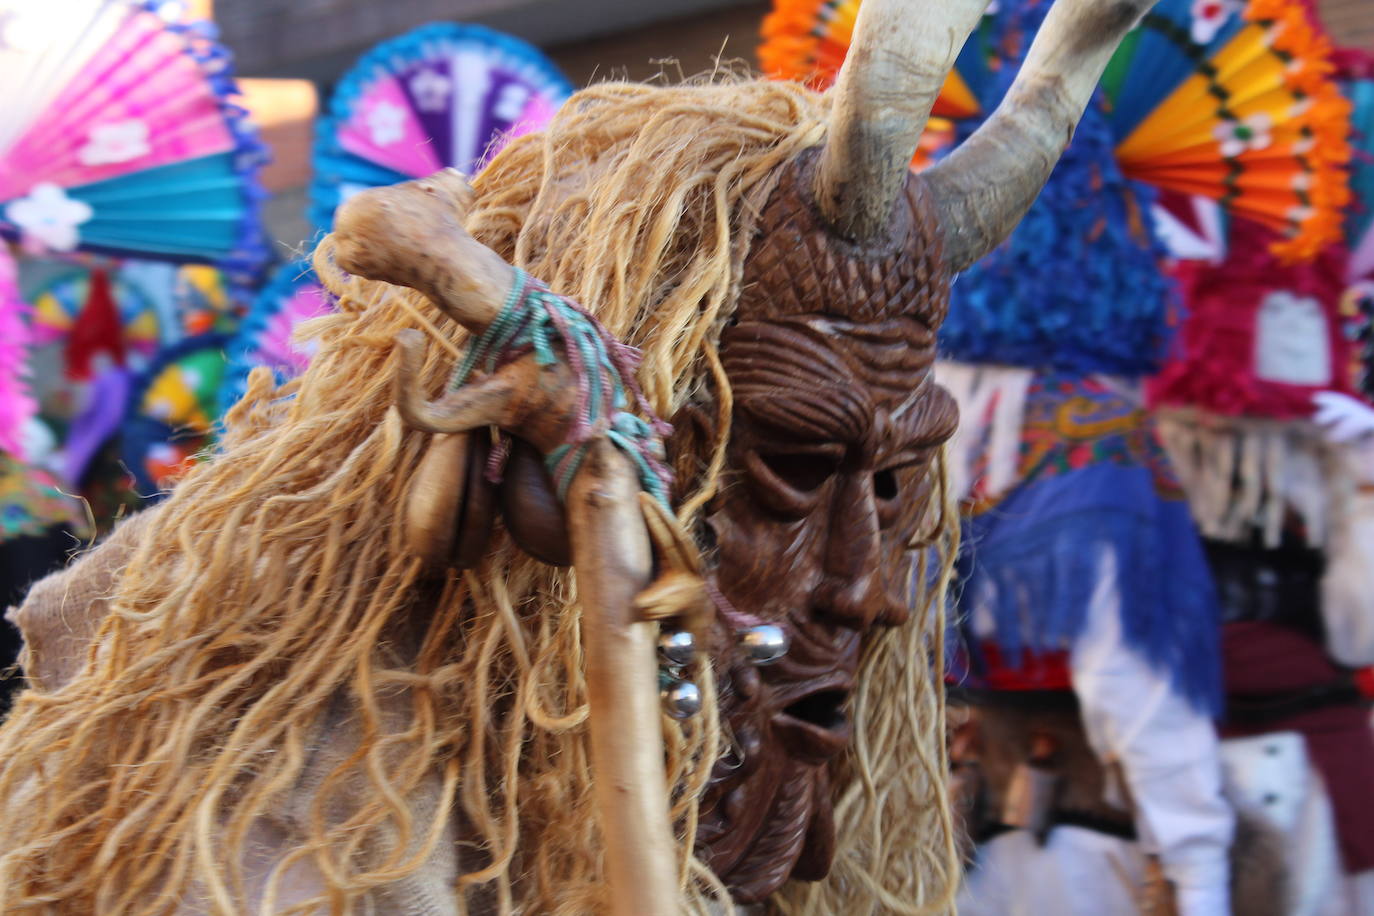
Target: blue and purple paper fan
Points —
{"points": [[1360, 219], [265, 338], [444, 95]]}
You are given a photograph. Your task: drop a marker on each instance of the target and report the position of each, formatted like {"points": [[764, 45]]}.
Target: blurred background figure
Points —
{"points": [[1263, 412]]}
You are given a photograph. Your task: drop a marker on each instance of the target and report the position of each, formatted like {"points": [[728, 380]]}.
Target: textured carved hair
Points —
{"points": [[272, 638]]}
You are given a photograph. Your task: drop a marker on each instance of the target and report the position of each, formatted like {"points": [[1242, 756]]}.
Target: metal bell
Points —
{"points": [[682, 700], [764, 644], [677, 648]]}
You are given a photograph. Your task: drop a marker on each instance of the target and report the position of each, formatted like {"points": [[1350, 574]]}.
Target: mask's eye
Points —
{"points": [[790, 482], [885, 485], [803, 473], [900, 487]]}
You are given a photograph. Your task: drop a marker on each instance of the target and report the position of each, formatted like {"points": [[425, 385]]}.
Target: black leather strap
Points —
{"points": [[1120, 828]]}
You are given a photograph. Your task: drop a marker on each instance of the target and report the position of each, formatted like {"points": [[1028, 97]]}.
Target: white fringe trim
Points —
{"points": [[1242, 475]]}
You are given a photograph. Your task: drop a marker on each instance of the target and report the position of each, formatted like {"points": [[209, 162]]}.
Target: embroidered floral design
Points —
{"points": [[120, 141], [48, 216], [1210, 15], [1237, 137], [28, 30], [386, 123], [431, 90]]}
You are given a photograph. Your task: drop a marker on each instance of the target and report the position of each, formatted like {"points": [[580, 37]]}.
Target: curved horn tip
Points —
{"points": [[984, 188], [896, 64]]}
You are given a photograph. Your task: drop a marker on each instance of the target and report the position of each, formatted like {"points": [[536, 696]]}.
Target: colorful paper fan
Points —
{"points": [[206, 301], [293, 296], [64, 301], [173, 410], [806, 40], [1234, 101], [117, 136], [442, 95]]}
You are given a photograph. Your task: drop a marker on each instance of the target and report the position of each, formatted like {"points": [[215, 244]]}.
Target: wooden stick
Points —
{"points": [[412, 235], [611, 556], [486, 401]]}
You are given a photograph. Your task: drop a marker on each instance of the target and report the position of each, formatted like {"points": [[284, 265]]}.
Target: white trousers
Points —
{"points": [[1077, 872], [1271, 778]]}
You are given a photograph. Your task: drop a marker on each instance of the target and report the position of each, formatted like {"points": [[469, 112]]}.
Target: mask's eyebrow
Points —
{"points": [[789, 376], [811, 414], [927, 418]]}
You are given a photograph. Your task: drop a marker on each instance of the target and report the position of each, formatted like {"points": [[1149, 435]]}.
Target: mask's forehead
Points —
{"points": [[836, 380], [799, 266]]}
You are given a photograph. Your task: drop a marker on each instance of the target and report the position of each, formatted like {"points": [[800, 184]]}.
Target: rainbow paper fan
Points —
{"points": [[90, 330], [117, 136], [265, 339], [205, 301], [806, 40], [172, 411], [60, 301], [1234, 101], [190, 299], [444, 95]]}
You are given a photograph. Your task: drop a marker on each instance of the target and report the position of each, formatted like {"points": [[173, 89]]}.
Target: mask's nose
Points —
{"points": [[853, 589]]}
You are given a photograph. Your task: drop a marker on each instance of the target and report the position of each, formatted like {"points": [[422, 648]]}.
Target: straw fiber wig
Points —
{"points": [[274, 705]]}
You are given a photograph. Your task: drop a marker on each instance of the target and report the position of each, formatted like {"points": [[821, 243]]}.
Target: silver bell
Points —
{"points": [[764, 644], [677, 648], [682, 700]]}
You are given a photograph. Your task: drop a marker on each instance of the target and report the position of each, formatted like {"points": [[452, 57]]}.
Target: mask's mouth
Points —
{"points": [[823, 709], [814, 727]]}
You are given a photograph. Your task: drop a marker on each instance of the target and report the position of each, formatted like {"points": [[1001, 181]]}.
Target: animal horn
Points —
{"points": [[984, 188], [896, 64]]}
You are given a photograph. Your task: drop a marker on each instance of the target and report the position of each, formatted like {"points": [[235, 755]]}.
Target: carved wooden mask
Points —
{"points": [[836, 421]]}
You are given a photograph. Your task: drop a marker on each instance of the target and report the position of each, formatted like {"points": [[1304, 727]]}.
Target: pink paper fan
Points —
{"points": [[17, 407], [275, 346], [137, 103]]}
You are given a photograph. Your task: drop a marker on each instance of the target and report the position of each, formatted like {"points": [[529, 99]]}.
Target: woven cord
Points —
{"points": [[553, 327]]}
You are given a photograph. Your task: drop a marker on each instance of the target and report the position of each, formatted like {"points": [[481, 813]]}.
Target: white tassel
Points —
{"points": [[1244, 475]]}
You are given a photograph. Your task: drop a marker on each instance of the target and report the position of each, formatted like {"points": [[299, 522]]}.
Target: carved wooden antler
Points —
{"points": [[412, 235]]}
